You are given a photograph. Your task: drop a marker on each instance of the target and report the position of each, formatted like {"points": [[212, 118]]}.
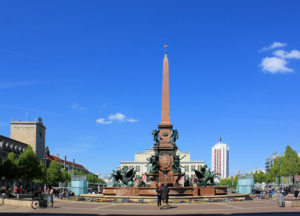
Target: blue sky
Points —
{"points": [[93, 71]]}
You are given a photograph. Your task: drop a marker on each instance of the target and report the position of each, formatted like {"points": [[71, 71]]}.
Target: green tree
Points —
{"points": [[269, 177], [230, 182], [259, 177], [226, 182], [275, 169], [66, 177], [94, 179], [235, 181], [29, 165], [54, 174], [10, 167], [43, 178], [290, 164], [76, 172]]}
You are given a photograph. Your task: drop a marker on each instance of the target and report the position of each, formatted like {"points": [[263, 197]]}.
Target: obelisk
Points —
{"points": [[165, 113], [165, 150], [165, 125]]}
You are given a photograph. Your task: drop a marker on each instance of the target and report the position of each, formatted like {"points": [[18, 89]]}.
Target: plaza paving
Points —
{"points": [[64, 207]]}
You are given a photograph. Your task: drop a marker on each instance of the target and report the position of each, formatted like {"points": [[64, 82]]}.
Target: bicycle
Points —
{"points": [[40, 203]]}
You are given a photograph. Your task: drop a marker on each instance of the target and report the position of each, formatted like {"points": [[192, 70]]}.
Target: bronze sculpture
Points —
{"points": [[205, 177], [153, 160], [155, 134], [123, 176]]}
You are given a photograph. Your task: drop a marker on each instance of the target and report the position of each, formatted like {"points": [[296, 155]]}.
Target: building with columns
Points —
{"points": [[141, 165], [220, 159]]}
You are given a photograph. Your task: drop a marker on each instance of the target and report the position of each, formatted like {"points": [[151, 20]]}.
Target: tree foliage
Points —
{"points": [[290, 165], [10, 167], [286, 165], [259, 177], [269, 177], [29, 165], [276, 168], [94, 179], [66, 177], [54, 174], [77, 172], [230, 182]]}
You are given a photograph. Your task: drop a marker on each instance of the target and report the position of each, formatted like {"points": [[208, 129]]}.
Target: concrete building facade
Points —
{"points": [[8, 145], [140, 164], [220, 159], [32, 133]]}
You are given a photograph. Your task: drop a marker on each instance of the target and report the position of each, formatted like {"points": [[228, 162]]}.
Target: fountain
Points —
{"points": [[165, 164]]}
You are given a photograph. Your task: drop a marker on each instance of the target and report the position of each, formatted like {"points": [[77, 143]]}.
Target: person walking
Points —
{"points": [[51, 196], [158, 191], [165, 196], [296, 193]]}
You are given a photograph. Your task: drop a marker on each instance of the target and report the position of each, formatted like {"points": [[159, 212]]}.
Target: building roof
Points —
{"points": [[221, 145], [14, 141], [54, 158]]}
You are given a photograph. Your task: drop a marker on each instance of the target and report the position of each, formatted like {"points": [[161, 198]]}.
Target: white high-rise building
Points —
{"points": [[220, 159]]}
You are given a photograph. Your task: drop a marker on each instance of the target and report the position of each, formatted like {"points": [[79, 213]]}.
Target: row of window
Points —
{"points": [[193, 168], [187, 168], [136, 168]]}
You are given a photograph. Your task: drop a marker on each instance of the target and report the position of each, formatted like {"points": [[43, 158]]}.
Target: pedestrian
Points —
{"points": [[158, 191], [296, 193], [165, 196], [47, 190], [20, 190], [51, 196], [15, 190]]}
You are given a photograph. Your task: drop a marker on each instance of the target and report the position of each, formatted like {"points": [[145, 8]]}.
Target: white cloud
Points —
{"points": [[294, 54], [273, 46], [74, 106], [78, 107], [115, 117], [132, 120], [275, 65], [103, 121]]}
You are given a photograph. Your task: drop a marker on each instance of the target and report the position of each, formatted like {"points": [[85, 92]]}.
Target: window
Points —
{"points": [[137, 168], [198, 167], [193, 168], [186, 168]]}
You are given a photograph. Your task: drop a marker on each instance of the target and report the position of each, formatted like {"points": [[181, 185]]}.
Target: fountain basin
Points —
{"points": [[174, 191]]}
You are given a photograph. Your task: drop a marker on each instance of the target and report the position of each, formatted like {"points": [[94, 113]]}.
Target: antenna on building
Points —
{"points": [[220, 139], [65, 162], [73, 165]]}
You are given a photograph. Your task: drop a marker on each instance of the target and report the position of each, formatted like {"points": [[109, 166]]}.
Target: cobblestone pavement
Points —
{"points": [[64, 207]]}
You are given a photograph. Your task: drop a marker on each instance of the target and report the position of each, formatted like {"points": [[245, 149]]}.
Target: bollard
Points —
{"points": [[49, 201], [281, 202]]}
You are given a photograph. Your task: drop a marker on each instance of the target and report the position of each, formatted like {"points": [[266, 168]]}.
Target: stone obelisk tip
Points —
{"points": [[165, 115], [166, 46]]}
